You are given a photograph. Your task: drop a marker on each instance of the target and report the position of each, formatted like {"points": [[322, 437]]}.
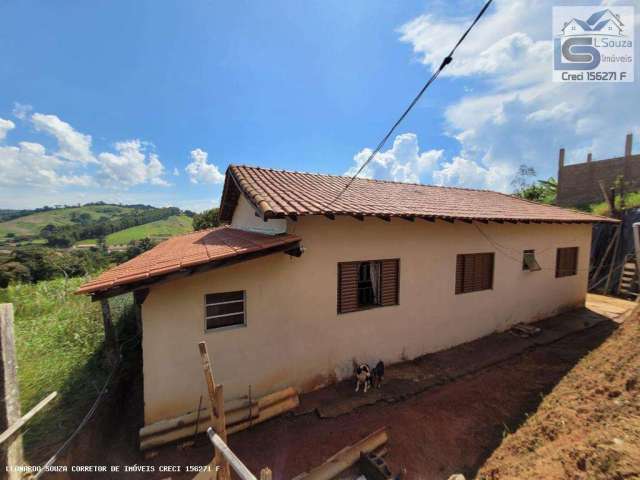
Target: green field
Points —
{"points": [[59, 343], [31, 225], [160, 229]]}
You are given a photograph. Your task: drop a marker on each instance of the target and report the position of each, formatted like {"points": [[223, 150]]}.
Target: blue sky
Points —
{"points": [[149, 101]]}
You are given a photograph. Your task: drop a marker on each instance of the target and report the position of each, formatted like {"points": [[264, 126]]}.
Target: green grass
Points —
{"points": [[631, 200], [160, 229], [59, 343], [31, 225]]}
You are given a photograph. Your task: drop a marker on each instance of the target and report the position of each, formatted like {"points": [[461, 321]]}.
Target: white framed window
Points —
{"points": [[226, 309]]}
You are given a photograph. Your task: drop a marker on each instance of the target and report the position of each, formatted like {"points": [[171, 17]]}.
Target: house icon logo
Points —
{"points": [[593, 44], [604, 22]]}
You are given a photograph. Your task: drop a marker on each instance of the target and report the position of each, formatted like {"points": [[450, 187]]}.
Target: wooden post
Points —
{"points": [[110, 338], [265, 474], [11, 413], [628, 145], [216, 407], [589, 157]]}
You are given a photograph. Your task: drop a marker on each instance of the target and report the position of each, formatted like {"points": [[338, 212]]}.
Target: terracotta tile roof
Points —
{"points": [[279, 193], [185, 251]]}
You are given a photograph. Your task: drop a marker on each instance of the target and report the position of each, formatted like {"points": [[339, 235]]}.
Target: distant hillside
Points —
{"points": [[158, 230], [30, 225]]}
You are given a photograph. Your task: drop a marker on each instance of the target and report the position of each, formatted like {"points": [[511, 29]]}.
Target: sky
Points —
{"points": [[150, 101]]}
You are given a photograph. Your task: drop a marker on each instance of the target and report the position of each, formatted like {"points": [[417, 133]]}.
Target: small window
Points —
{"points": [[474, 272], [529, 262], [224, 309], [566, 262], [368, 284]]}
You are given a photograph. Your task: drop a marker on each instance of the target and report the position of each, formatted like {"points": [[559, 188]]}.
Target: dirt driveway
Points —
{"points": [[445, 413]]}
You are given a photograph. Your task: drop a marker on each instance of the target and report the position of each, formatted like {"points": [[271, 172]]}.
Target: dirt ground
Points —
{"points": [[588, 427], [451, 422]]}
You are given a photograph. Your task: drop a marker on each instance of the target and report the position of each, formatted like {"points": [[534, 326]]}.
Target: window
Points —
{"points": [[566, 262], [474, 272], [224, 309], [368, 284], [529, 262]]}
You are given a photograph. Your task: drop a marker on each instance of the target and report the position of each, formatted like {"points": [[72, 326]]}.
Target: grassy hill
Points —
{"points": [[59, 345], [158, 230], [30, 225]]}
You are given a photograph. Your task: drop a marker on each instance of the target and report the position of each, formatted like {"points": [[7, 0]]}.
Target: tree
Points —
{"points": [[206, 219], [543, 191], [13, 272], [523, 178]]}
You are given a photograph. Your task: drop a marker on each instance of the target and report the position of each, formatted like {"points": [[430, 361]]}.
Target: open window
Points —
{"points": [[529, 262], [367, 284]]}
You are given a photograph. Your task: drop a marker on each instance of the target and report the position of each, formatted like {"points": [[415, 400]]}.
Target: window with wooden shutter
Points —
{"points": [[566, 262], [225, 309], [474, 272], [367, 284]]}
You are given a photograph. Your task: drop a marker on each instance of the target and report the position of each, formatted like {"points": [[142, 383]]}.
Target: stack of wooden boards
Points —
{"points": [[237, 418]]}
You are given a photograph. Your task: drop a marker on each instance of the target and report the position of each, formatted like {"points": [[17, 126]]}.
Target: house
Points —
{"points": [[575, 27], [304, 279]]}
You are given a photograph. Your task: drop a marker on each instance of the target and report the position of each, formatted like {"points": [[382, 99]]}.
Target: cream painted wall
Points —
{"points": [[244, 217], [295, 337]]}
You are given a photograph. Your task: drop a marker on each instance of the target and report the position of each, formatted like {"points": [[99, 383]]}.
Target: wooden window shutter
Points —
{"points": [[474, 272], [389, 282], [566, 262], [347, 287]]}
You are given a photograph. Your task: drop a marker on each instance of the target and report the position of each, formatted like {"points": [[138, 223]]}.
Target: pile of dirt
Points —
{"points": [[588, 426]]}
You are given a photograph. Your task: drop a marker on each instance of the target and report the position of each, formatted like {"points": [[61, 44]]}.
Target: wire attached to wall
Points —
{"points": [[446, 61]]}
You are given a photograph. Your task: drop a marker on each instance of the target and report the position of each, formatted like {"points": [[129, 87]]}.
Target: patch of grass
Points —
{"points": [[175, 225], [59, 343], [631, 200]]}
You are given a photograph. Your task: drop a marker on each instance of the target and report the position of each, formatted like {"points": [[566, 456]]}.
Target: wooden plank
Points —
{"points": [[15, 427], [110, 338], [216, 407], [346, 457], [265, 474], [11, 413]]}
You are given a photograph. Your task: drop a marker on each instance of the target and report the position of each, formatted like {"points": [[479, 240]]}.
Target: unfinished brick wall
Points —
{"points": [[579, 183]]}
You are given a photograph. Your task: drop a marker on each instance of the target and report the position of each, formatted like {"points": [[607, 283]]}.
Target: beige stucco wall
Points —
{"points": [[295, 337]]}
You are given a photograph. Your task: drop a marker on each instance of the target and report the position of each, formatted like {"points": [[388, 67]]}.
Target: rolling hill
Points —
{"points": [[158, 230], [30, 225]]}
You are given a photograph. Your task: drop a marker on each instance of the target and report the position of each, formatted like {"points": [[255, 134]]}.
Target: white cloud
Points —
{"points": [[130, 166], [21, 110], [515, 114], [403, 162], [5, 126], [72, 144], [176, 172], [28, 164], [200, 171]]}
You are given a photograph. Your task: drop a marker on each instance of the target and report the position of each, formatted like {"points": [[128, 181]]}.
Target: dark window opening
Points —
{"points": [[369, 284], [529, 262]]}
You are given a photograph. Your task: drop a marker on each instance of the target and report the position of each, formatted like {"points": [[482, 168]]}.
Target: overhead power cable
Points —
{"points": [[446, 61]]}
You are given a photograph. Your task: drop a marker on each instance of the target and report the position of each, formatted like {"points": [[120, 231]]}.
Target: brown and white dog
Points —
{"points": [[363, 377]]}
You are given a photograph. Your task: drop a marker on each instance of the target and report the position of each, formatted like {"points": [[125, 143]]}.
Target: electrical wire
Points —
{"points": [[446, 61]]}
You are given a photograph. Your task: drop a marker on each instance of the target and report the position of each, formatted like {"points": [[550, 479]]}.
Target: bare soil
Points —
{"points": [[449, 428], [588, 427]]}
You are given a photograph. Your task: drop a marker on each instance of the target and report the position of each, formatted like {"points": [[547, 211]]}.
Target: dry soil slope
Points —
{"points": [[588, 427]]}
